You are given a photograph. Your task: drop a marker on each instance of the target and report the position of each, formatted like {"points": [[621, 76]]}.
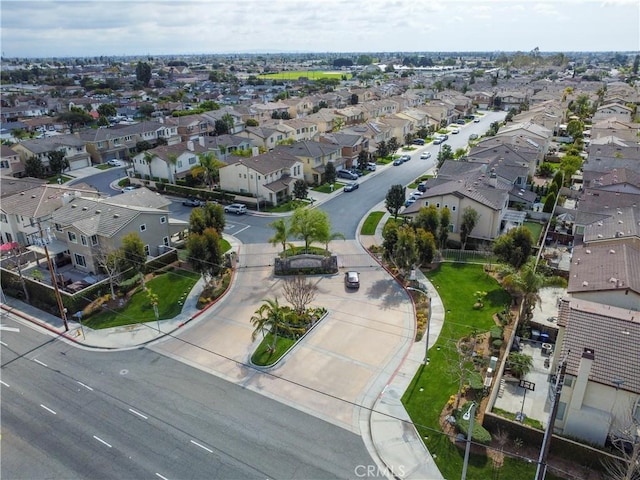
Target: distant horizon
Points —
{"points": [[116, 28]]}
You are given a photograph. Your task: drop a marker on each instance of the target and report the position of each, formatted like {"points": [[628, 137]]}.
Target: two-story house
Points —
{"points": [[74, 149], [315, 156], [350, 143], [167, 162], [268, 177], [10, 163], [268, 137]]}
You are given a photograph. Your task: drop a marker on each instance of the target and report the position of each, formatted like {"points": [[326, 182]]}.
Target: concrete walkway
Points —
{"points": [[386, 429]]}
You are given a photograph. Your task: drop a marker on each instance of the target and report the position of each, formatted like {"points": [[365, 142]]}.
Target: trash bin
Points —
{"points": [[535, 335], [544, 337]]}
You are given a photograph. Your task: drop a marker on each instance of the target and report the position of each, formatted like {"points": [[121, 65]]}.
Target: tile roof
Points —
{"points": [[41, 201], [613, 334]]}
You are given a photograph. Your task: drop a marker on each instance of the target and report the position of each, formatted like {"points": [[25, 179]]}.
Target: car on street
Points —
{"points": [[237, 208], [405, 158], [352, 279], [398, 161], [425, 155], [347, 174], [418, 141], [476, 120], [461, 122], [438, 140], [114, 162], [409, 202], [473, 136], [422, 186], [371, 166], [128, 188], [192, 202], [350, 187], [455, 131]]}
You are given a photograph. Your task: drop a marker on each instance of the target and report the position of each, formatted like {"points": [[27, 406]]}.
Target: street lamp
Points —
{"points": [[426, 348], [468, 416]]}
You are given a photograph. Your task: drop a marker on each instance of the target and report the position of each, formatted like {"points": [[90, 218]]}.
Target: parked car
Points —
{"points": [[398, 161], [461, 122], [359, 173], [418, 141], [455, 131], [415, 195], [371, 167], [350, 187], [405, 158], [347, 174], [438, 140], [237, 208], [409, 202], [128, 188], [114, 162], [473, 136], [476, 120], [425, 155], [352, 279], [192, 202], [422, 186]]}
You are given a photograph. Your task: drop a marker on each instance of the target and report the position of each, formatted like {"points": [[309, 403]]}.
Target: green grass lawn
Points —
{"points": [[371, 223], [104, 166], [262, 356], [289, 206], [324, 188], [54, 179], [430, 389], [171, 289], [536, 230], [310, 74]]}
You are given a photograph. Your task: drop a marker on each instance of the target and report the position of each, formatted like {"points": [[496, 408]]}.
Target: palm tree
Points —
{"points": [[269, 318], [172, 158], [281, 234], [209, 164], [148, 158]]}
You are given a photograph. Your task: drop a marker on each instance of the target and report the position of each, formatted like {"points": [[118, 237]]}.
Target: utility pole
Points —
{"points": [[541, 470], [54, 282], [469, 415]]}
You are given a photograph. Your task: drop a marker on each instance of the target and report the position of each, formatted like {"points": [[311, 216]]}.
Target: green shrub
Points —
{"points": [[496, 332], [479, 434]]}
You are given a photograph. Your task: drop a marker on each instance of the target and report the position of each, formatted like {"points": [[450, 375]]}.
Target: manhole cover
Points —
{"points": [[124, 371]]}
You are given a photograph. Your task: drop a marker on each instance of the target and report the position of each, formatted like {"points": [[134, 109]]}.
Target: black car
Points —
{"points": [[350, 187], [192, 202]]}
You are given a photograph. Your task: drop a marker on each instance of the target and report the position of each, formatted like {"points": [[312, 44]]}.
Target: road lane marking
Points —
{"points": [[4, 328], [41, 363], [85, 386], [138, 413], [241, 230], [102, 441], [201, 446], [5, 384], [48, 409], [3, 343], [163, 478]]}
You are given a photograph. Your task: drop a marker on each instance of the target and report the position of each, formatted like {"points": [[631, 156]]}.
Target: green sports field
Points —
{"points": [[310, 74]]}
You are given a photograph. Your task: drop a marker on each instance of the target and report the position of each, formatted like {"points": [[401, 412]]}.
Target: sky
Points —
{"points": [[78, 28]]}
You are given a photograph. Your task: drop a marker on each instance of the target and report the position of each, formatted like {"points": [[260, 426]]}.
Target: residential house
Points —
{"points": [[227, 114], [190, 127], [224, 146], [120, 142], [460, 185], [549, 114], [462, 104], [373, 131], [269, 177], [269, 110], [535, 135], [615, 111], [601, 387], [10, 163], [315, 156], [483, 99], [612, 127], [167, 162], [352, 115], [376, 109], [440, 113], [400, 127], [268, 137], [90, 227], [326, 120], [304, 128], [418, 118], [74, 149], [495, 148], [506, 100], [351, 145]]}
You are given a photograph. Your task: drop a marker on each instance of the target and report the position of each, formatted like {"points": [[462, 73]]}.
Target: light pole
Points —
{"points": [[426, 348], [469, 416]]}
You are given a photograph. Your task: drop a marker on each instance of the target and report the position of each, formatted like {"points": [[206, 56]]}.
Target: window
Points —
{"points": [[165, 241], [4, 164], [192, 160], [163, 219], [3, 218], [143, 227], [72, 237], [568, 381], [83, 240], [80, 260], [58, 227], [180, 164], [147, 250], [562, 407], [438, 205]]}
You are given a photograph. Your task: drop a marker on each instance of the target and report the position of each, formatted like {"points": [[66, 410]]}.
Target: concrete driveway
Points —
{"points": [[344, 362]]}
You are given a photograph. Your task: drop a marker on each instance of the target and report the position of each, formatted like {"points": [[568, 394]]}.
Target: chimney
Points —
{"points": [[190, 145], [580, 387], [493, 179]]}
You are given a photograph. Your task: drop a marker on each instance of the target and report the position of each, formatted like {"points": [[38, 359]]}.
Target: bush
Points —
{"points": [[479, 434], [496, 332]]}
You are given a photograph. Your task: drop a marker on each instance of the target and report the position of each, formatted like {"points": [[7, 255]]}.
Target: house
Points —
{"points": [[167, 162], [613, 110], [612, 127], [234, 119], [10, 163], [495, 148], [601, 386], [91, 227], [351, 145], [535, 135], [304, 128], [74, 149], [190, 127], [483, 99], [268, 137], [268, 177], [506, 100], [224, 146], [373, 131], [460, 185], [121, 141], [314, 157], [352, 115], [326, 120]]}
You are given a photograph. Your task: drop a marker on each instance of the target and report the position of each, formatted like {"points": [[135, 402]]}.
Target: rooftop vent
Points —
{"points": [[84, 209], [587, 251], [613, 280], [585, 284], [115, 215], [98, 211], [612, 251]]}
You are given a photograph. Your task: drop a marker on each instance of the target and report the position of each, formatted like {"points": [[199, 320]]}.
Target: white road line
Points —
{"points": [[138, 413], [41, 363], [241, 230], [85, 386], [102, 441], [3, 343], [5, 384], [48, 409], [163, 478], [201, 446], [4, 328]]}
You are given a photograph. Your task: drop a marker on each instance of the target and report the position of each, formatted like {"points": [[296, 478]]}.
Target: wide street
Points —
{"points": [[71, 413]]}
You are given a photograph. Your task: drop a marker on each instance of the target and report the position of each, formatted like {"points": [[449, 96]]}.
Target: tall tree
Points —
{"points": [[443, 231], [111, 262], [57, 161], [330, 173], [299, 293], [514, 247], [469, 220], [172, 159], [281, 233], [428, 218], [205, 254], [325, 235], [395, 199], [209, 165], [33, 167], [210, 215], [426, 245], [300, 189], [405, 253], [107, 110], [143, 73], [133, 254], [147, 158], [306, 224]]}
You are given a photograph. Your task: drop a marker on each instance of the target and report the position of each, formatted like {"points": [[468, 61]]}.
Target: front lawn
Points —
{"points": [[264, 356], [371, 223], [171, 288], [54, 179]]}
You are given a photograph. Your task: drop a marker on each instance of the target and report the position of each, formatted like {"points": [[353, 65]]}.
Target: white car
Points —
{"points": [[237, 208], [425, 155], [114, 162], [455, 130]]}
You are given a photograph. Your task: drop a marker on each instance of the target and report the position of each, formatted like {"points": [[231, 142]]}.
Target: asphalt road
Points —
{"points": [[71, 413]]}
